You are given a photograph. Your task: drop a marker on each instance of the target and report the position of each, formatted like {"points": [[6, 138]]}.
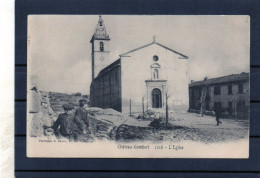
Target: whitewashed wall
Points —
{"points": [[136, 69], [101, 64]]}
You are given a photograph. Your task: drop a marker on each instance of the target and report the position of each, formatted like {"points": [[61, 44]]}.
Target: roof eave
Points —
{"points": [[203, 83], [182, 56], [144, 46]]}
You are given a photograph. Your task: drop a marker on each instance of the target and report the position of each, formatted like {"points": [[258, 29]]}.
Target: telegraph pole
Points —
{"points": [[130, 108], [167, 118], [143, 105]]}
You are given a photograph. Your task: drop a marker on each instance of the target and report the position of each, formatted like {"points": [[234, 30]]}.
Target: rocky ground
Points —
{"points": [[110, 124], [40, 113]]}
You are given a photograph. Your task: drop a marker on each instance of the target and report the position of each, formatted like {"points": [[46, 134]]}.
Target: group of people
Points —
{"points": [[70, 125]]}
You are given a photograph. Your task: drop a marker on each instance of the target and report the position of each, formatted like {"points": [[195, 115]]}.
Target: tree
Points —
{"points": [[167, 96], [202, 100], [143, 105], [167, 110], [130, 108]]}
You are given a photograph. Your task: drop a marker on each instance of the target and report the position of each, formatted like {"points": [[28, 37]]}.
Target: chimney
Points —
{"points": [[191, 81], [206, 78]]}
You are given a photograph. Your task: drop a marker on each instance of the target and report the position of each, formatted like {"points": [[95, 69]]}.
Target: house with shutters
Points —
{"points": [[228, 93]]}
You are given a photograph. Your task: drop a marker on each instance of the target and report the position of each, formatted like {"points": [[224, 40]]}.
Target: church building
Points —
{"points": [[139, 79]]}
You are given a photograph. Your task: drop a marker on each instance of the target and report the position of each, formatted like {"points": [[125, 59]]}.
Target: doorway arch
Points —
{"points": [[157, 98]]}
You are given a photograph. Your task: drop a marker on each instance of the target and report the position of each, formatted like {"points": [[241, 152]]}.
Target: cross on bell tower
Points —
{"points": [[100, 21]]}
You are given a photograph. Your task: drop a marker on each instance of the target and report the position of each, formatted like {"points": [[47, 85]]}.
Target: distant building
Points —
{"points": [[139, 79], [230, 93]]}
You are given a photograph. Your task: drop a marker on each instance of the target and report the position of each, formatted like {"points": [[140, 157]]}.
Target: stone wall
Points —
{"points": [[105, 90], [224, 98], [39, 113]]}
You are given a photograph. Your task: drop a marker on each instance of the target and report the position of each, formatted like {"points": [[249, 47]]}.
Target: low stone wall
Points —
{"points": [[39, 113]]}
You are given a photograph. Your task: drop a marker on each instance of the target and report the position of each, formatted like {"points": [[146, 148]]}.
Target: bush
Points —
{"points": [[156, 123], [78, 94], [148, 115]]}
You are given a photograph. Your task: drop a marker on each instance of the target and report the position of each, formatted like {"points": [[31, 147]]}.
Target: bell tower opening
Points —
{"points": [[101, 46]]}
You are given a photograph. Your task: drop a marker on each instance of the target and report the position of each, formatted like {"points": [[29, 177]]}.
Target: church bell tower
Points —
{"points": [[100, 48]]}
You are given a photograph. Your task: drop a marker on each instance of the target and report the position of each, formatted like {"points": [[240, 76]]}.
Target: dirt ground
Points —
{"points": [[110, 124], [177, 132]]}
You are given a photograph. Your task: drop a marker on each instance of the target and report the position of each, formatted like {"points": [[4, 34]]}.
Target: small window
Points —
{"points": [[240, 88], [101, 46], [230, 107], [230, 89], [241, 106], [217, 90], [155, 58]]}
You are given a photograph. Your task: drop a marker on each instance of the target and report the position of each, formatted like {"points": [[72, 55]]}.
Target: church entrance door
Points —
{"points": [[156, 98]]}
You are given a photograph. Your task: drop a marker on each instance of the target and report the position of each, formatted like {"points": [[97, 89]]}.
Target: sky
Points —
{"points": [[59, 48]]}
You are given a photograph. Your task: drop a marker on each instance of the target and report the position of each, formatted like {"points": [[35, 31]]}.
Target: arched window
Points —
{"points": [[101, 46], [156, 74], [156, 98]]}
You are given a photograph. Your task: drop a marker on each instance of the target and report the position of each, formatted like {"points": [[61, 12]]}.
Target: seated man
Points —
{"points": [[81, 117], [65, 124]]}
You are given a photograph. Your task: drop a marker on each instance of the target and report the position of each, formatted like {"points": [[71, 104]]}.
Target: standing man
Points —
{"points": [[81, 117], [218, 113], [65, 125]]}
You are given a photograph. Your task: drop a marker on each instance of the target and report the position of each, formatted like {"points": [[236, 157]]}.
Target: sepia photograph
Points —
{"points": [[138, 86]]}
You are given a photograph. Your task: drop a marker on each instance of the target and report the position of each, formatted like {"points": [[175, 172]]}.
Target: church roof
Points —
{"points": [[182, 55], [109, 67]]}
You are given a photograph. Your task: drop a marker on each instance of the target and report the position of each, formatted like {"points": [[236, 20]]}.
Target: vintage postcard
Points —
{"points": [[138, 86]]}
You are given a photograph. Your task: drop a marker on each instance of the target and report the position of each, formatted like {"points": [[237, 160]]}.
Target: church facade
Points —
{"points": [[140, 79]]}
